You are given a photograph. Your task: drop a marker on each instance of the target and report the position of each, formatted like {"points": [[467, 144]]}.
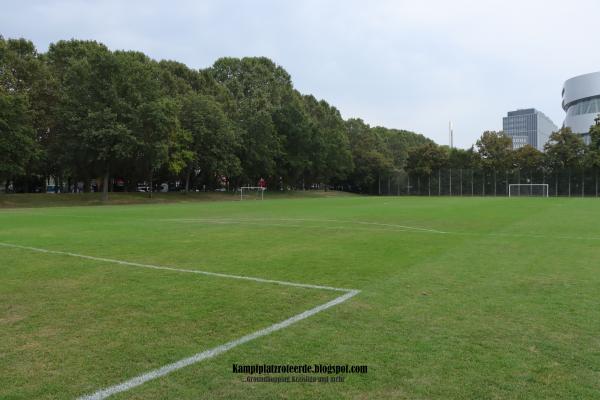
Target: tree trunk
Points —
{"points": [[105, 185], [187, 180]]}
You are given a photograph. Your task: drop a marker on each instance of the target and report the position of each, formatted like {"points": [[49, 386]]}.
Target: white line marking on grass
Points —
{"points": [[407, 228], [266, 222], [167, 369], [331, 228], [190, 271], [196, 358]]}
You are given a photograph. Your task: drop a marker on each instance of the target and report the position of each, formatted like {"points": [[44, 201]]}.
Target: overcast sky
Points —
{"points": [[401, 64]]}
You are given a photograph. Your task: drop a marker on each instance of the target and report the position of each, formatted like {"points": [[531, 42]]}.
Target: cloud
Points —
{"points": [[404, 64]]}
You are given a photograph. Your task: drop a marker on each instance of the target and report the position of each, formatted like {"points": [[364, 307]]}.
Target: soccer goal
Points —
{"points": [[252, 193], [528, 189]]}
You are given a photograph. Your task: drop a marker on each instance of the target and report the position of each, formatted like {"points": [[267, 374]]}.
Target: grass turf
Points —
{"points": [[120, 198], [503, 304]]}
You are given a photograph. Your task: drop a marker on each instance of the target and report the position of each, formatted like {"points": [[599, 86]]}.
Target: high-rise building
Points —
{"points": [[528, 126], [581, 102]]}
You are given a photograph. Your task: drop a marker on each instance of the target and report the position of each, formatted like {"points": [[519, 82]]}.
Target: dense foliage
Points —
{"points": [[565, 151], [84, 117], [568, 165]]}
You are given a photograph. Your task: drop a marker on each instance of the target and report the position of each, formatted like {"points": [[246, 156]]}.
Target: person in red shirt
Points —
{"points": [[262, 184]]}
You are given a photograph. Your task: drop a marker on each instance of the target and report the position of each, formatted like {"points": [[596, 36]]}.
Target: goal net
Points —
{"points": [[528, 189], [252, 193]]}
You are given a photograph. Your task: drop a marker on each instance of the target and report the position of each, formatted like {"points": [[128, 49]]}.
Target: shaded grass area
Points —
{"points": [[502, 305]]}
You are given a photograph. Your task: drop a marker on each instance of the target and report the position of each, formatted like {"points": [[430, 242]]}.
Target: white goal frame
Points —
{"points": [[544, 186], [259, 189]]}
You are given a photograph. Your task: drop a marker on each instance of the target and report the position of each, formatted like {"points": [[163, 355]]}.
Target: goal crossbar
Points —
{"points": [[528, 189]]}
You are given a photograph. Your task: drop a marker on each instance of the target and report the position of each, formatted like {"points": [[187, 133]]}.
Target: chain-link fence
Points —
{"points": [[471, 182]]}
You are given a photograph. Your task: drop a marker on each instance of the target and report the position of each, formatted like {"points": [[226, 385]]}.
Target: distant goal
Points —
{"points": [[252, 193], [528, 190]]}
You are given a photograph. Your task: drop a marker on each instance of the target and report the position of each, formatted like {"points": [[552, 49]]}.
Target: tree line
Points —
{"points": [[83, 114], [567, 161]]}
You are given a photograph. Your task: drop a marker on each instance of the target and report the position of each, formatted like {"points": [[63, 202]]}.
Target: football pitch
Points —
{"points": [[441, 298]]}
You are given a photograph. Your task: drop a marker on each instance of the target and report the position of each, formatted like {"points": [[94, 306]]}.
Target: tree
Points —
{"points": [[330, 154], [95, 129], [565, 150], [592, 152], [214, 140], [24, 83], [495, 150], [259, 88], [161, 140], [528, 159], [423, 160], [463, 159], [297, 137], [371, 158], [399, 142], [17, 140]]}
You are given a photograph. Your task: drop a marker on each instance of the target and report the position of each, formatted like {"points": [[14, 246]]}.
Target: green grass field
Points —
{"points": [[460, 298]]}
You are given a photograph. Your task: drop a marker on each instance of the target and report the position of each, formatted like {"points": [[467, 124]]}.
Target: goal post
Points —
{"points": [[528, 189], [252, 192]]}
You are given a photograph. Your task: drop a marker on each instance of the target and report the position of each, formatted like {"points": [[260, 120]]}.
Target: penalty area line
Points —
{"points": [[196, 358], [207, 354], [189, 271]]}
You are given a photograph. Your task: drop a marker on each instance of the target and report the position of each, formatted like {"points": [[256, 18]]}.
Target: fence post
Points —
{"points": [[472, 183], [450, 191], [495, 185], [483, 185], [569, 182]]}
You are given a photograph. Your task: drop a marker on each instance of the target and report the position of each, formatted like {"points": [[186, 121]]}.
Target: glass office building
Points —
{"points": [[581, 102], [528, 126]]}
